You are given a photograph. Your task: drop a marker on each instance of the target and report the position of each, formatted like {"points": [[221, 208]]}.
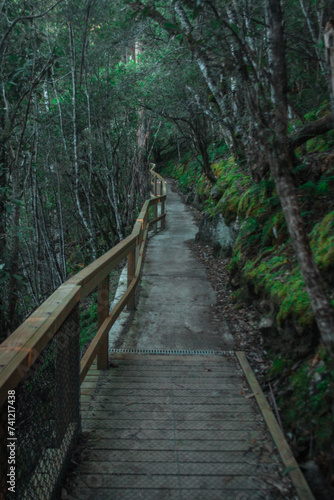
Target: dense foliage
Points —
{"points": [[238, 94], [73, 143]]}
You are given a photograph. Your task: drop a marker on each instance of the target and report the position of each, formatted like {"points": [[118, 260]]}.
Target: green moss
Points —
{"points": [[308, 410], [262, 255], [279, 366], [272, 277], [232, 182], [320, 144], [322, 242]]}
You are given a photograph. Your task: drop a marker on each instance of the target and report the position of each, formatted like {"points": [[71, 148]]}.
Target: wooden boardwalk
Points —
{"points": [[177, 427]]}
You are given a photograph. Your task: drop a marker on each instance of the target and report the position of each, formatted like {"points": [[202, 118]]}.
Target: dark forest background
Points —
{"points": [[235, 100]]}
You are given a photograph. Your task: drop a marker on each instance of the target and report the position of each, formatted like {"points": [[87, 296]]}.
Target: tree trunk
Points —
{"points": [[329, 47], [75, 145], [313, 33], [90, 177], [280, 164]]}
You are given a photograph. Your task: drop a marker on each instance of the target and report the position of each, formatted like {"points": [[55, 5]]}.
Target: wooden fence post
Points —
{"points": [[131, 275], [163, 221], [160, 205], [155, 216], [102, 314]]}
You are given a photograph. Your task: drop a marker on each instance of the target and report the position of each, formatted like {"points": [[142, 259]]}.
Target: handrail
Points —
{"points": [[22, 348]]}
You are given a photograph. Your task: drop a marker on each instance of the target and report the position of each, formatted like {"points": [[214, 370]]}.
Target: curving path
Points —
{"points": [[174, 307], [178, 427]]}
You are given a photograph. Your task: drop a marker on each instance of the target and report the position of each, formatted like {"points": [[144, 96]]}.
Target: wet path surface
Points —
{"points": [[176, 298], [179, 427]]}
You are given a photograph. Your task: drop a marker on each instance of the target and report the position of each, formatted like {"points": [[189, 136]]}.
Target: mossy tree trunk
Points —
{"points": [[281, 166]]}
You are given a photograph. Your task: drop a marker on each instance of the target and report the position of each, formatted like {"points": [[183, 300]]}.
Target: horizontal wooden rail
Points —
{"points": [[19, 352]]}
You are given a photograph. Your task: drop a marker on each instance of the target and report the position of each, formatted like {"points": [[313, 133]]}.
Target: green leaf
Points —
{"points": [[170, 26], [235, 28]]}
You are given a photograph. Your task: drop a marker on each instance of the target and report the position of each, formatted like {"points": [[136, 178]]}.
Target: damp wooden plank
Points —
{"points": [[162, 494], [171, 468], [88, 388], [178, 400], [180, 436], [139, 456], [135, 482], [176, 429], [161, 425]]}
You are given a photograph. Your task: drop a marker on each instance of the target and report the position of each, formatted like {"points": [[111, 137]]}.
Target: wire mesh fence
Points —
{"points": [[40, 421]]}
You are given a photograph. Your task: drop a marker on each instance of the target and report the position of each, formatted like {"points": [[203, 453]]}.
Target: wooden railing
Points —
{"points": [[22, 349]]}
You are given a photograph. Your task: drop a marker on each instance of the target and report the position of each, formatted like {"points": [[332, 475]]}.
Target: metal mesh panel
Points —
{"points": [[47, 419]]}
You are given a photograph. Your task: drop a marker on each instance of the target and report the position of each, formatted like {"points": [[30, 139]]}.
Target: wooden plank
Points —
{"points": [[88, 287], [198, 436], [106, 443], [163, 214], [202, 411], [169, 468], [155, 216], [22, 348], [141, 254], [92, 275], [130, 277], [102, 314], [139, 456], [88, 387], [299, 481], [156, 219], [104, 329], [135, 399], [157, 199], [217, 425], [163, 494]]}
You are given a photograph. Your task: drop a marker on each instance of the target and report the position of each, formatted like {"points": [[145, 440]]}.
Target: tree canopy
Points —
{"points": [[93, 91]]}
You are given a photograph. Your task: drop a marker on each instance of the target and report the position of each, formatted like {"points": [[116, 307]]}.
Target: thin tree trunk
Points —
{"points": [[54, 265], [13, 270], [312, 30], [75, 143], [61, 226], [114, 203], [90, 177], [280, 164], [329, 47], [112, 196], [59, 110]]}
